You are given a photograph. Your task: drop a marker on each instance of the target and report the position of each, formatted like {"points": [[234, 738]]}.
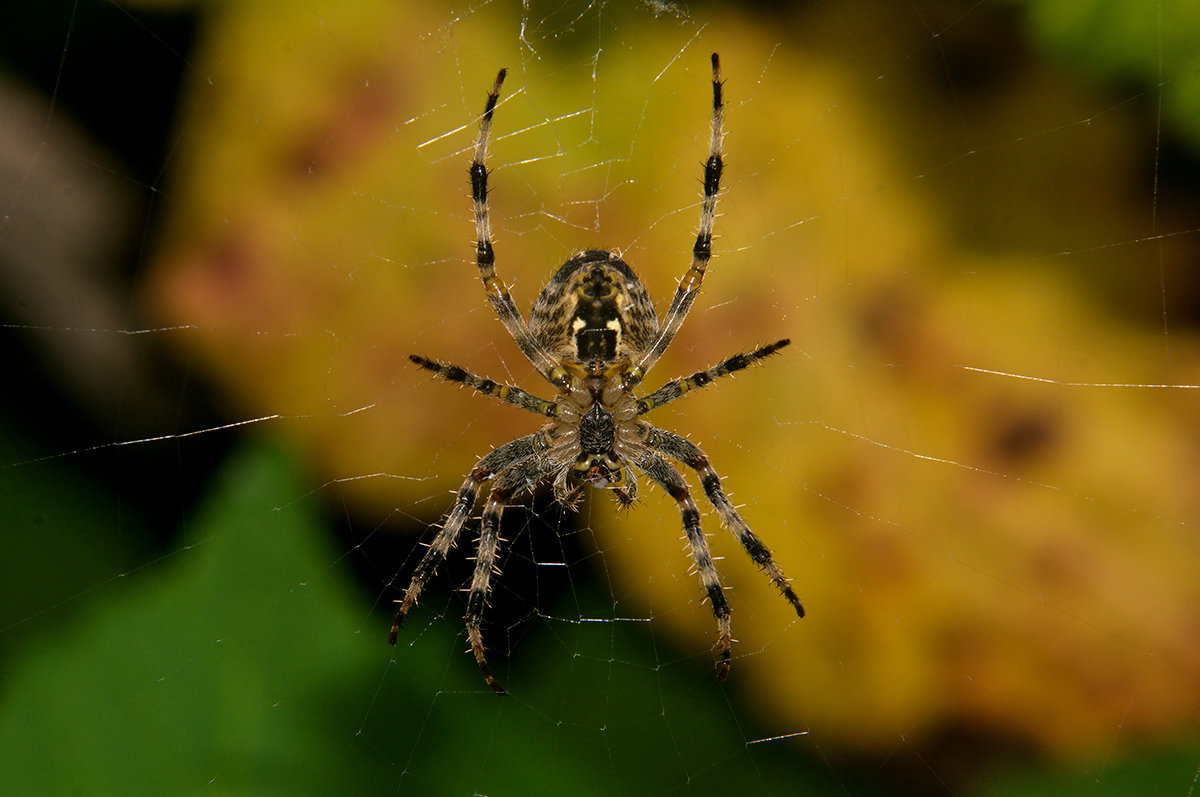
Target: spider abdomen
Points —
{"points": [[594, 309]]}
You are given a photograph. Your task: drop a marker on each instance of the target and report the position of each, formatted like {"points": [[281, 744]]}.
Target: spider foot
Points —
{"points": [[792, 599], [724, 646], [625, 498], [491, 681], [481, 660], [723, 662], [395, 632], [405, 605]]}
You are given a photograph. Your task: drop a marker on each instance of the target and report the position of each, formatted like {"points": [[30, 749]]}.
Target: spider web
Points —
{"points": [[223, 232]]}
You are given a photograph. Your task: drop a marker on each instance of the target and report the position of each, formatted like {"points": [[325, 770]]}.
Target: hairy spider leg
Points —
{"points": [[680, 448], [485, 566], [509, 394], [689, 286], [485, 257], [670, 480], [676, 388], [497, 461], [519, 476]]}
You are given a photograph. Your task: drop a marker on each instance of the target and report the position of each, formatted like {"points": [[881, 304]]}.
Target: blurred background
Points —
{"points": [[224, 228]]}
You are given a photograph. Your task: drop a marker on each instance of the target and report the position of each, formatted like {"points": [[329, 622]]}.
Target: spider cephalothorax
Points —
{"points": [[593, 335]]}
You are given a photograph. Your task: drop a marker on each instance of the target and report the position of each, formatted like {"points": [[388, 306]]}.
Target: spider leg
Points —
{"points": [[628, 494], [687, 452], [506, 393], [502, 458], [521, 475], [676, 388], [485, 565], [669, 479], [689, 286], [485, 257]]}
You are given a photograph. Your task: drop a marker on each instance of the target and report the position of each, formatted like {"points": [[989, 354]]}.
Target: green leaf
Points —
{"points": [[214, 667], [1131, 41]]}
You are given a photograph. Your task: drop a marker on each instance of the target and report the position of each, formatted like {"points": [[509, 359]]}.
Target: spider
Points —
{"points": [[593, 334]]}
